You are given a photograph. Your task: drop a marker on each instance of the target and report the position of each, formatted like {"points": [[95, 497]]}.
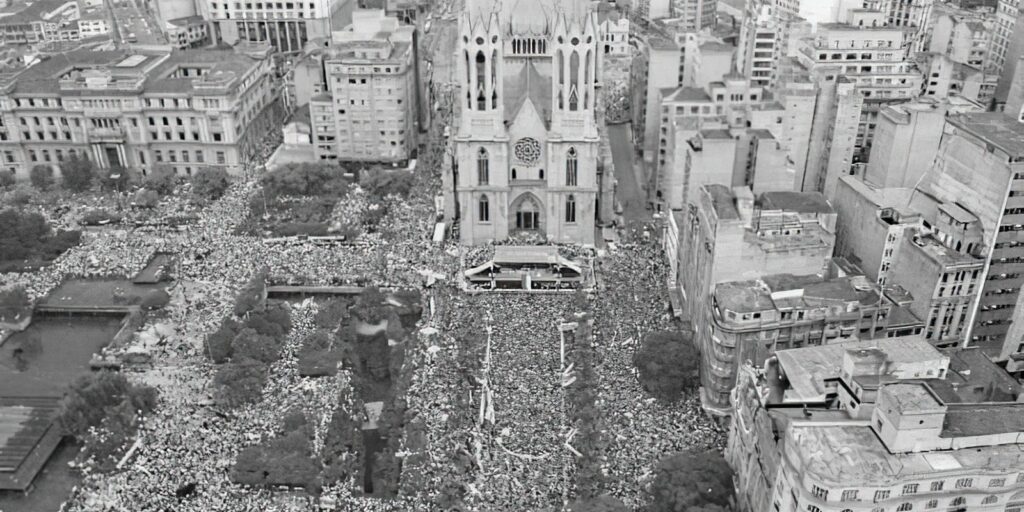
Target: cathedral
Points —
{"points": [[527, 143]]}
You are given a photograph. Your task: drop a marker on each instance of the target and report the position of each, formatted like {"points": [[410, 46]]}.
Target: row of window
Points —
{"points": [[912, 489], [959, 501], [483, 168], [525, 219]]}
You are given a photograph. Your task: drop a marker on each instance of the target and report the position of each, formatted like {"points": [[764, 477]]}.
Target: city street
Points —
{"points": [[628, 193]]}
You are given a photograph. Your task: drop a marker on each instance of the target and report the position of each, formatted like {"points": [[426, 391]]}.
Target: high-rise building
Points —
{"points": [[768, 34], [889, 424], [185, 110], [527, 144], [977, 182], [367, 111], [695, 15], [860, 67], [287, 26]]}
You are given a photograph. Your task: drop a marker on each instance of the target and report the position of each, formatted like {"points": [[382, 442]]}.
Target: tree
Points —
{"points": [[218, 343], [210, 183], [146, 198], [306, 179], [41, 177], [253, 345], [14, 304], [78, 173], [381, 183], [116, 178], [370, 306], [161, 179], [95, 396], [603, 503], [6, 180], [667, 364], [691, 480], [253, 295], [240, 382]]}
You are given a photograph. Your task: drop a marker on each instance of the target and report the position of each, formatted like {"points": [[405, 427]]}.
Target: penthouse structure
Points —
{"points": [[367, 110], [184, 110], [888, 424]]}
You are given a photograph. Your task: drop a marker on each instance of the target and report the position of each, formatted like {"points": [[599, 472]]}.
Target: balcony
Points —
{"points": [[106, 134]]}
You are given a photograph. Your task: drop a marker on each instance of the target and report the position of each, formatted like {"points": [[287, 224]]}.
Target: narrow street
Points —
{"points": [[628, 193]]}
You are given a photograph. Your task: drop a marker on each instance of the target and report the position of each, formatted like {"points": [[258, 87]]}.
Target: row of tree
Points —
{"points": [[103, 409], [27, 236]]}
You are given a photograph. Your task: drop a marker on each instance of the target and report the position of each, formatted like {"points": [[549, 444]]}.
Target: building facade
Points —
{"points": [[183, 110], [527, 144], [885, 425], [367, 111], [287, 26]]}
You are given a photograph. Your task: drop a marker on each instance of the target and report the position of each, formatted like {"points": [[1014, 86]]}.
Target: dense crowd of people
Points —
{"points": [[487, 382]]}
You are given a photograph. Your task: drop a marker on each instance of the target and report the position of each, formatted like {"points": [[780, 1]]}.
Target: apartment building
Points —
{"points": [[887, 425], [750, 320], [93, 24], [367, 110], [695, 15], [183, 109], [862, 58], [907, 137], [41, 21], [944, 285], [768, 34], [754, 137], [287, 26], [977, 183], [1008, 39]]}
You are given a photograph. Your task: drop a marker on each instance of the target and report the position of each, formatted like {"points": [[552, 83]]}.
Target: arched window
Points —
{"points": [[483, 167], [494, 79], [513, 173], [931, 504], [570, 208], [574, 76], [481, 77], [484, 209], [959, 500], [571, 168], [904, 507], [990, 500]]}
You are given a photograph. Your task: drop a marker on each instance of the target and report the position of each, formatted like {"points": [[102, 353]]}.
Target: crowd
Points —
{"points": [[494, 411]]}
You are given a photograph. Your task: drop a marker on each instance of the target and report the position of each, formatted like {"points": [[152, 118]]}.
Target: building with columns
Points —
{"points": [[184, 109], [286, 26], [527, 144]]}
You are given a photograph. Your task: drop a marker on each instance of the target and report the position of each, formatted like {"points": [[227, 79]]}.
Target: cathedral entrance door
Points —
{"points": [[527, 213]]}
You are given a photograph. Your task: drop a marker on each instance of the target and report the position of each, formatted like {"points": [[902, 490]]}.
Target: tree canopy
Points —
{"points": [[27, 236], [41, 176], [306, 179], [691, 481], [603, 503], [14, 303], [668, 364], [161, 180], [78, 173], [95, 396], [240, 382], [210, 183]]}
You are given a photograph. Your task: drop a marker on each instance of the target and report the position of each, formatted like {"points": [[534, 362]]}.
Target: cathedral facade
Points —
{"points": [[527, 143]]}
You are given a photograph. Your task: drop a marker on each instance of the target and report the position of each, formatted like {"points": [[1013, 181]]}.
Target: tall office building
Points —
{"points": [[367, 111], [287, 26], [695, 15]]}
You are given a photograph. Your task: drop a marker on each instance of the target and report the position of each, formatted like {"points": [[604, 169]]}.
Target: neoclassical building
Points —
{"points": [[527, 142]]}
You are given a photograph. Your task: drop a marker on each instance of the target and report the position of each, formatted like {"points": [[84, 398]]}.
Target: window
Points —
{"points": [[818, 492], [936, 486], [570, 214], [964, 483], [158, 155], [932, 504], [571, 168], [849, 495], [485, 209], [881, 495], [904, 507], [958, 501], [910, 489], [990, 500], [483, 167], [812, 508], [997, 482], [221, 158]]}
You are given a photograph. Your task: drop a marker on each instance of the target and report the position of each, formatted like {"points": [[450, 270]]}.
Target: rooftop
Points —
{"points": [[995, 128], [942, 254], [913, 397], [687, 94], [853, 452], [800, 202], [723, 201], [968, 420]]}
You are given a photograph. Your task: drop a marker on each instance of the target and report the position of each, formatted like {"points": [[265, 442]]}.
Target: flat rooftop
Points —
{"points": [[853, 452], [723, 200], [969, 420], [800, 202], [996, 128], [942, 254], [808, 368]]}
